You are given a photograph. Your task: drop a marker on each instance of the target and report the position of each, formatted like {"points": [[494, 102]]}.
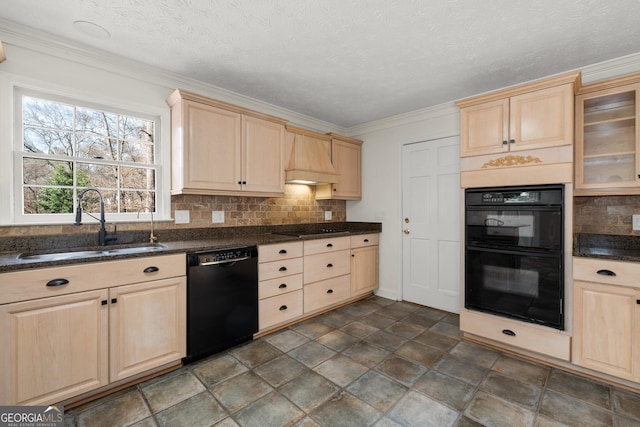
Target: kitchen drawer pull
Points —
{"points": [[282, 251], [330, 291], [329, 265], [282, 286], [283, 307], [151, 269], [509, 332], [114, 300], [606, 273], [505, 142], [366, 240], [57, 282], [282, 269], [329, 245], [512, 141], [104, 302]]}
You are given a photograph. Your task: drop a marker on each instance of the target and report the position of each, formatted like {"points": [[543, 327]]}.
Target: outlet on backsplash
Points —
{"points": [[217, 217], [181, 217], [327, 215]]}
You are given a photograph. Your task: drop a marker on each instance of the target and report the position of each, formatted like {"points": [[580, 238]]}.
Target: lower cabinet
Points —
{"points": [[364, 264], [58, 347]]}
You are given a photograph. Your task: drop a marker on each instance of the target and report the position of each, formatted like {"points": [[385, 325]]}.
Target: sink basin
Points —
{"points": [[58, 256]]}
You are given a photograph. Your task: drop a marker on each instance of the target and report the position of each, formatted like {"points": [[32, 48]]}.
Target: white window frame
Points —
{"points": [[20, 218]]}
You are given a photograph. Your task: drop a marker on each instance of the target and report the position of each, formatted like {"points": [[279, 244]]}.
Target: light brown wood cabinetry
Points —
{"points": [[525, 126], [606, 317], [326, 272], [346, 156], [607, 137], [219, 148], [83, 335], [364, 263]]}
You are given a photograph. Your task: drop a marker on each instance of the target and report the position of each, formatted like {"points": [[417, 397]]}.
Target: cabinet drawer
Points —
{"points": [[274, 269], [362, 240], [528, 337], [324, 266], [326, 293], [326, 245], [279, 309], [277, 286], [625, 273], [267, 253], [32, 284]]}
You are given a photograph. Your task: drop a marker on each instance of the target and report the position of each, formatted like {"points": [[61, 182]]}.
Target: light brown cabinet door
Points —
{"points": [[263, 164], [605, 328], [53, 348], [484, 128], [212, 148], [346, 159], [364, 270], [147, 326], [540, 119]]}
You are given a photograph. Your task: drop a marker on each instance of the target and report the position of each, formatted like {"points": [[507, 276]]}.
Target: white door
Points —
{"points": [[431, 211]]}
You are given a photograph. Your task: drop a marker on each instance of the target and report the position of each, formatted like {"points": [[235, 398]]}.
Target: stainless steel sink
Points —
{"points": [[58, 256]]}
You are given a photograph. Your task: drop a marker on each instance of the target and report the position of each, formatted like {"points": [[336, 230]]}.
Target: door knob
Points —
{"points": [[406, 231], [406, 220]]}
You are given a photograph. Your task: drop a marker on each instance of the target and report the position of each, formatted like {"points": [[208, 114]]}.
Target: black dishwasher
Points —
{"points": [[222, 300]]}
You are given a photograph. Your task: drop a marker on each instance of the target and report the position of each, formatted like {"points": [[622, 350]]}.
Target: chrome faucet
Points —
{"points": [[103, 236], [152, 238]]}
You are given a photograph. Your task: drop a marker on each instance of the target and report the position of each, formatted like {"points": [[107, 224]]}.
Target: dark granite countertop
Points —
{"points": [[605, 246], [173, 241]]}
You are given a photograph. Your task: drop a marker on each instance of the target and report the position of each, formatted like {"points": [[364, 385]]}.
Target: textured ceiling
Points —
{"points": [[349, 62]]}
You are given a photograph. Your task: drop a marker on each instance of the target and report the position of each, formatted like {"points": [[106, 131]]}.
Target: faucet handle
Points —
{"points": [[113, 236]]}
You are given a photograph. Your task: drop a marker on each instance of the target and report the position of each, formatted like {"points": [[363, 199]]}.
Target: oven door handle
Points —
{"points": [[225, 261]]}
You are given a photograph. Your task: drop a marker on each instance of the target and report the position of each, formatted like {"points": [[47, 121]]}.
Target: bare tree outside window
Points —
{"points": [[67, 148]]}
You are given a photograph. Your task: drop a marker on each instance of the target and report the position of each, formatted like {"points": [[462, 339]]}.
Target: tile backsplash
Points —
{"points": [[605, 214], [297, 206]]}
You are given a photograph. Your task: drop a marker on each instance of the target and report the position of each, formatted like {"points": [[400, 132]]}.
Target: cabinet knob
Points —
{"points": [[512, 141], [114, 300], [505, 142], [282, 308], [330, 291]]}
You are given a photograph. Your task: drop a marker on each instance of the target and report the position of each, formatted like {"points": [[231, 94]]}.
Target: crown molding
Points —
{"points": [[12, 34], [613, 68]]}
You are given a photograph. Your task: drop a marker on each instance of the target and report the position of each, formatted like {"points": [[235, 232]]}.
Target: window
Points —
{"points": [[68, 146]]}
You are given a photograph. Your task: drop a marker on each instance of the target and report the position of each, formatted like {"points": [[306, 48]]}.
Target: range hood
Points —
{"points": [[310, 158]]}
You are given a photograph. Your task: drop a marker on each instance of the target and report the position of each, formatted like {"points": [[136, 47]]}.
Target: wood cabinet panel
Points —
{"points": [[279, 251], [282, 268], [279, 309], [326, 293], [362, 240], [331, 244], [263, 148], [484, 127], [325, 265], [346, 156], [364, 270], [278, 286]]}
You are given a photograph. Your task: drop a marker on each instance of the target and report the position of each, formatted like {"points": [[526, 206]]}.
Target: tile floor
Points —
{"points": [[375, 362]]}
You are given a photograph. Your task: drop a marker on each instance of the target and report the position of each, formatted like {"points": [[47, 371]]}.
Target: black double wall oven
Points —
{"points": [[514, 252]]}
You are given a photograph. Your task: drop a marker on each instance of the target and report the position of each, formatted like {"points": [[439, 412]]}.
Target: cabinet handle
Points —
{"points": [[329, 245], [114, 300], [330, 291], [283, 307], [151, 269], [505, 142], [509, 332], [282, 269], [512, 141], [282, 286], [57, 282], [239, 182], [104, 302], [606, 273], [329, 265], [244, 182], [638, 301], [353, 255], [282, 251], [366, 240]]}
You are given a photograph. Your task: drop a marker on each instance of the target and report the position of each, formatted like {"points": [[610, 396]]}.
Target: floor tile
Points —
{"points": [[199, 410], [579, 387], [420, 354], [522, 370], [467, 422], [171, 390], [475, 353], [122, 410], [544, 421], [406, 330], [385, 340], [340, 369], [255, 353], [377, 390], [227, 422], [336, 319], [386, 422], [345, 410], [361, 308], [240, 391], [280, 370], [217, 369], [311, 354], [306, 422], [286, 340], [434, 339], [572, 411], [461, 370], [421, 321], [270, 410], [492, 411], [524, 394], [627, 404], [366, 354], [309, 390], [337, 340], [377, 321], [393, 312], [415, 409], [446, 329], [312, 329], [401, 370], [358, 329], [147, 422], [429, 313], [445, 389]]}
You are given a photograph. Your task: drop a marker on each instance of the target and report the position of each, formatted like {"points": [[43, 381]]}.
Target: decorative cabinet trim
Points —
{"points": [[511, 160]]}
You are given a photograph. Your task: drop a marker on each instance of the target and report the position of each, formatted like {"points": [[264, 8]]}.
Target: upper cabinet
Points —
{"points": [[607, 135], [219, 148], [526, 125], [346, 154]]}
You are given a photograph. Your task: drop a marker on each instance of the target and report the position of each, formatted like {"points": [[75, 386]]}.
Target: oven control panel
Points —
{"points": [[511, 197]]}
